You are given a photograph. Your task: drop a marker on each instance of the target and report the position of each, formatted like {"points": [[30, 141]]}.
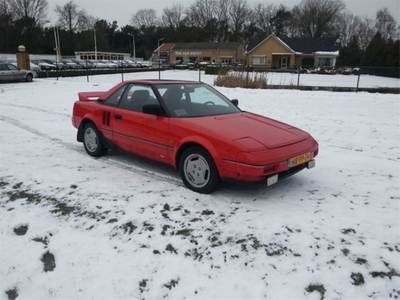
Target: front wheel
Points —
{"points": [[92, 141], [198, 171]]}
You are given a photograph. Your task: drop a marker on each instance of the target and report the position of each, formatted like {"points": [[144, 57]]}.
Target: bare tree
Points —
{"points": [[262, 15], [34, 9], [281, 22], [172, 16], [71, 18], [365, 32], [349, 27], [239, 13], [385, 24], [201, 12], [317, 18], [145, 17]]}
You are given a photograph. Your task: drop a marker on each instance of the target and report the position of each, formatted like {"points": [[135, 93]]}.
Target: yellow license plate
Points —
{"points": [[298, 160]]}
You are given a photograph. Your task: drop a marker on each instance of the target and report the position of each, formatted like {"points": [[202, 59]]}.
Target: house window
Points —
{"points": [[324, 62], [258, 60], [206, 58]]}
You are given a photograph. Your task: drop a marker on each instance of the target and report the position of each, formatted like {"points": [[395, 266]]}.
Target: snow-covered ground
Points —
{"points": [[123, 227]]}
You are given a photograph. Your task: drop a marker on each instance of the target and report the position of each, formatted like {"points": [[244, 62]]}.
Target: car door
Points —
{"points": [[5, 73], [16, 73], [137, 132]]}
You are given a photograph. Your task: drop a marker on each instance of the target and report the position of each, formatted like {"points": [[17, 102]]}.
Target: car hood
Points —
{"points": [[252, 131]]}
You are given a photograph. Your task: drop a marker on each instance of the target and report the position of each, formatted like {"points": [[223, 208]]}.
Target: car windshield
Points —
{"points": [[194, 100]]}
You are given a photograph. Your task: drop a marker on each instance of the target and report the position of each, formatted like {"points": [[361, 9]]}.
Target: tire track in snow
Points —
{"points": [[38, 109], [106, 159]]}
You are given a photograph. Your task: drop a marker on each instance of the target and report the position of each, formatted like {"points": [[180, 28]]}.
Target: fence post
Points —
{"points": [[199, 73], [298, 79], [358, 80]]}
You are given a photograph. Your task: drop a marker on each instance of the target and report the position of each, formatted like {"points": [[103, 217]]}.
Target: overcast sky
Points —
{"points": [[122, 10]]}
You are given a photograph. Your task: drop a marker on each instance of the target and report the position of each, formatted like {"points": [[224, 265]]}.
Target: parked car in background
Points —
{"points": [[130, 64], [146, 64], [173, 64], [109, 64], [59, 65], [71, 65], [32, 65], [161, 63], [45, 66], [187, 64], [85, 64], [98, 64], [204, 63], [9, 72], [193, 127]]}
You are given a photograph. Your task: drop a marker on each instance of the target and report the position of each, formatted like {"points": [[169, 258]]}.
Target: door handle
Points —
{"points": [[118, 116]]}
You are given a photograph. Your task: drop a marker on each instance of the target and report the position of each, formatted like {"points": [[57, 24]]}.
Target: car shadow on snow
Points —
{"points": [[161, 171]]}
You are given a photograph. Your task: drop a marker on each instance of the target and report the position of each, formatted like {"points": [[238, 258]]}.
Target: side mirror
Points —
{"points": [[235, 102], [153, 109]]}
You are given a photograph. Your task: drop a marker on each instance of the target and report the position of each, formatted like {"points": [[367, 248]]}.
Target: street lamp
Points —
{"points": [[159, 61], [159, 48], [133, 46], [57, 44], [95, 44]]}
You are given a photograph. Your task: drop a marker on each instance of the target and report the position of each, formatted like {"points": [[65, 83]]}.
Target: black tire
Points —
{"points": [[92, 141], [29, 77], [198, 171]]}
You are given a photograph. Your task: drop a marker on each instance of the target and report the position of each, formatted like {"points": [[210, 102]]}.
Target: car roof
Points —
{"points": [[163, 81]]}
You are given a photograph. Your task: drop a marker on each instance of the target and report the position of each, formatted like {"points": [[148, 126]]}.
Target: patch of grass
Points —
{"points": [[148, 227], [171, 249], [128, 227], [195, 220], [112, 221], [3, 183], [21, 230], [184, 232], [358, 279], [316, 288], [207, 212], [62, 208], [274, 249], [30, 197], [361, 261], [12, 294], [165, 228], [142, 285], [171, 284], [44, 240], [256, 243], [389, 274], [49, 262], [17, 185], [345, 251], [348, 231], [241, 241]]}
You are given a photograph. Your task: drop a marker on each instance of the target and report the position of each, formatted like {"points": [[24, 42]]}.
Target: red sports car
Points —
{"points": [[194, 128]]}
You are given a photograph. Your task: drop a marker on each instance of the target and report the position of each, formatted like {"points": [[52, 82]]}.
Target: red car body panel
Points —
{"points": [[244, 146]]}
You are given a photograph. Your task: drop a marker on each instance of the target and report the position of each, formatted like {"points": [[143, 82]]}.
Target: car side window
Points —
{"points": [[136, 96], [114, 98], [12, 67]]}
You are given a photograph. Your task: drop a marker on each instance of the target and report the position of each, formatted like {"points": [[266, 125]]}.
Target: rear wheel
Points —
{"points": [[29, 77], [92, 141], [198, 171]]}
